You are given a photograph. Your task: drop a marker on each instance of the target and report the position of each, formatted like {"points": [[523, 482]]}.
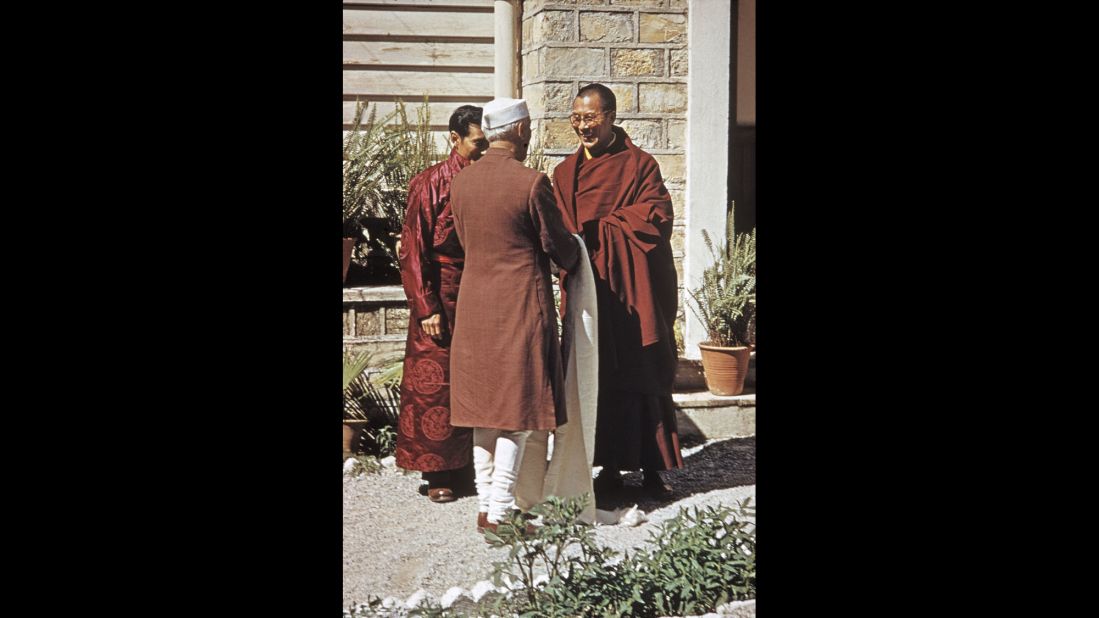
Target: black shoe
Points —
{"points": [[463, 484], [655, 486], [610, 491], [608, 481]]}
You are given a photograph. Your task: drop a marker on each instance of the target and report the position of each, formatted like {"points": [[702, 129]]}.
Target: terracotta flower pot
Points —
{"points": [[725, 368], [352, 433]]}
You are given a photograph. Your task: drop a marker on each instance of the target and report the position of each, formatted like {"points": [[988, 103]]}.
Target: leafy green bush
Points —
{"points": [[702, 559], [696, 561], [578, 581], [381, 440]]}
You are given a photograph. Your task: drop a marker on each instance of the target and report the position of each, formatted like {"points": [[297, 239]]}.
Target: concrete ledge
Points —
{"points": [[706, 399], [374, 294], [399, 337], [384, 348], [530, 9], [709, 416]]}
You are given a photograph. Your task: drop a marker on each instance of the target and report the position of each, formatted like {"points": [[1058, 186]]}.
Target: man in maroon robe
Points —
{"points": [[612, 191], [431, 271]]}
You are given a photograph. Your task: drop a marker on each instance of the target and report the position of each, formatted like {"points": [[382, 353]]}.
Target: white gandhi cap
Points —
{"points": [[499, 112]]}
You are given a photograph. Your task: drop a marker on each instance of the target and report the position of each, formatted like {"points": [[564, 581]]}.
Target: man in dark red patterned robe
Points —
{"points": [[431, 270]]}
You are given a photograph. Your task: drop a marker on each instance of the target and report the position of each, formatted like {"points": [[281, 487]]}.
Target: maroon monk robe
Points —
{"points": [[431, 270], [620, 202]]}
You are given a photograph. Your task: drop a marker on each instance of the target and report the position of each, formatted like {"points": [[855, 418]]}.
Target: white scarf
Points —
{"points": [[569, 472]]}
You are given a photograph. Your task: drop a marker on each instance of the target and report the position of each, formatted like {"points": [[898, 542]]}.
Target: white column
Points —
{"points": [[506, 47], [708, 131]]}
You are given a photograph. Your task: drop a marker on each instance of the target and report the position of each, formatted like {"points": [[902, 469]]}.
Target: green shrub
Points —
{"points": [[696, 561], [702, 559]]}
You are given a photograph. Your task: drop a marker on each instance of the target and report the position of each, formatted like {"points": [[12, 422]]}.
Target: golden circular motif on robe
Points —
{"points": [[435, 423], [407, 421], [427, 376], [430, 462], [404, 457]]}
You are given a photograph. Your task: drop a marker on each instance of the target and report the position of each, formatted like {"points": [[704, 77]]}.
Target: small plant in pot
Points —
{"points": [[725, 303], [354, 366], [371, 405]]}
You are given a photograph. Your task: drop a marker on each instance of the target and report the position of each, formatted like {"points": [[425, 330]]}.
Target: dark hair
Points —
{"points": [[463, 117], [605, 95]]}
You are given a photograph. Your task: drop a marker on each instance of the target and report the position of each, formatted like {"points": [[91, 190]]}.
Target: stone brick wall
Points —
{"points": [[637, 48], [375, 319]]}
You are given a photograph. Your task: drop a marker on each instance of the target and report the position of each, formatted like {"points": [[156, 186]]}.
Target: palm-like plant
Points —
{"points": [[362, 178], [354, 375], [380, 157], [371, 399], [725, 302], [375, 402]]}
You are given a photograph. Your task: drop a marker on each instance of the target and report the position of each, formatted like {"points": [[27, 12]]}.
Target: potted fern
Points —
{"points": [[725, 303]]}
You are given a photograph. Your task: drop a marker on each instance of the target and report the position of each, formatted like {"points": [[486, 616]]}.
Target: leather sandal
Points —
{"points": [[528, 532], [440, 494]]}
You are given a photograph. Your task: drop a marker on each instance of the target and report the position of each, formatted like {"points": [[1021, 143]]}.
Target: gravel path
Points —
{"points": [[396, 542]]}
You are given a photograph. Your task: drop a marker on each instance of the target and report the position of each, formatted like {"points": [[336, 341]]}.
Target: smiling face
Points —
{"points": [[471, 146], [593, 126]]}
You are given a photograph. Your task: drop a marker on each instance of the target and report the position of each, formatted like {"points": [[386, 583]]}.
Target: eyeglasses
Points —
{"points": [[588, 118]]}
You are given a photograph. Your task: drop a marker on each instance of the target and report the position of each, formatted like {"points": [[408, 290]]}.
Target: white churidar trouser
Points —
{"points": [[496, 458]]}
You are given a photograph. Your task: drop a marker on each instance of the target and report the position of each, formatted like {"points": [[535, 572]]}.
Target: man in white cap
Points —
{"points": [[505, 365]]}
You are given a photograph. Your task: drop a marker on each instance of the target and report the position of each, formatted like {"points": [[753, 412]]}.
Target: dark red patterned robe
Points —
{"points": [[431, 270]]}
